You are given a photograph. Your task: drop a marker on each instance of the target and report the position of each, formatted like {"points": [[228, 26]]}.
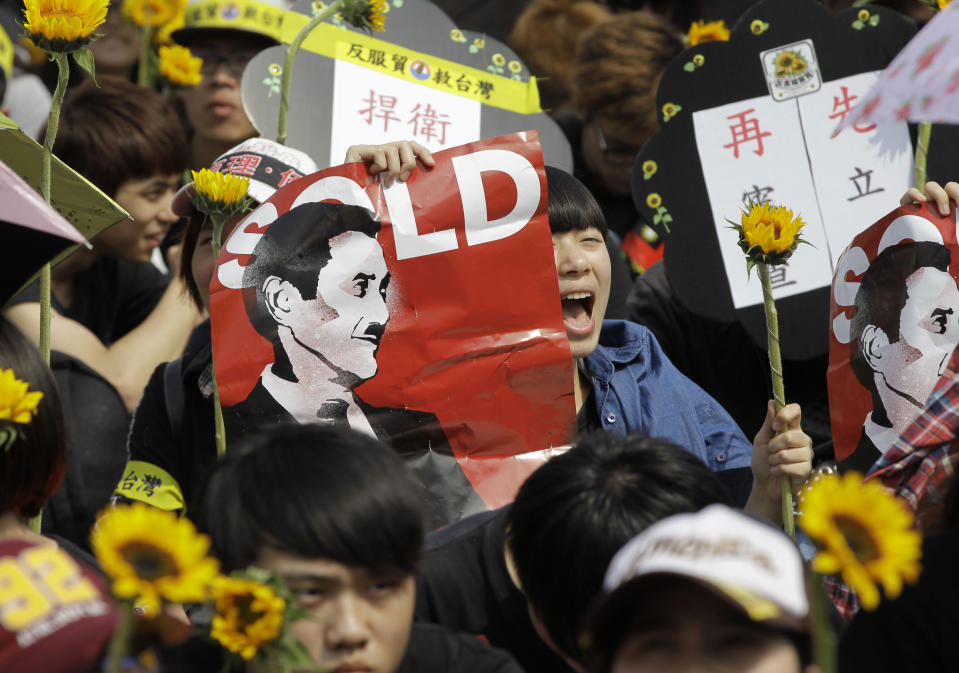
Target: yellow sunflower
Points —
{"points": [[16, 404], [790, 63], [63, 25], [220, 194], [670, 110], [499, 60], [864, 533], [152, 554], [479, 43], [649, 168], [699, 59], [768, 234], [248, 615], [712, 31], [164, 35], [943, 3], [367, 15], [179, 66], [758, 27], [162, 12], [863, 15], [654, 200]]}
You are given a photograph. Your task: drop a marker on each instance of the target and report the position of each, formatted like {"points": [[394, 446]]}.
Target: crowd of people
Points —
{"points": [[654, 543]]}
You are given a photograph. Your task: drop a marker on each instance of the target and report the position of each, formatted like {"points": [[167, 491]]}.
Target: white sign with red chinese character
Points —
{"points": [[371, 108], [748, 151]]}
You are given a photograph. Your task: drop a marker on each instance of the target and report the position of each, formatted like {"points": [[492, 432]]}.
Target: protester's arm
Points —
{"points": [[933, 192], [787, 453], [129, 361], [396, 160]]}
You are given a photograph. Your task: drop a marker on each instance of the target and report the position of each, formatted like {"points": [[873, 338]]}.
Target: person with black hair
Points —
{"points": [[902, 334], [341, 520], [56, 615], [624, 383], [523, 576]]}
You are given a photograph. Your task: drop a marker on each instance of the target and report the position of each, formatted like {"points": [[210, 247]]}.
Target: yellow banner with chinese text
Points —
{"points": [[437, 73], [249, 15]]}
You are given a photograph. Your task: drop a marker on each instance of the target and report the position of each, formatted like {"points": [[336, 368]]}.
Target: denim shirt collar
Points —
{"points": [[630, 341]]}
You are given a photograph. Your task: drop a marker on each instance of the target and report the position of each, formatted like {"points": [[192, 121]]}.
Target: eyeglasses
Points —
{"points": [[235, 61], [622, 155]]}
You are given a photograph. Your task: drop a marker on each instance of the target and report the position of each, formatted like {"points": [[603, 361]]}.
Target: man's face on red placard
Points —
{"points": [[928, 332], [345, 322]]}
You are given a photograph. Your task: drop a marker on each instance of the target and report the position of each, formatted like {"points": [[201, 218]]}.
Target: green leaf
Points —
{"points": [[646, 176], [874, 20], [473, 49], [689, 66], [657, 218], [857, 24], [84, 58]]}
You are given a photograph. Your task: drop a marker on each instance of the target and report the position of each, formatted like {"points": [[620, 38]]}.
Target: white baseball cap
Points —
{"points": [[748, 563], [268, 164]]}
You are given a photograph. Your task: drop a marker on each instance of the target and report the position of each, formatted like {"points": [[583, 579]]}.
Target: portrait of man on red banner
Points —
{"points": [[425, 314], [895, 323]]}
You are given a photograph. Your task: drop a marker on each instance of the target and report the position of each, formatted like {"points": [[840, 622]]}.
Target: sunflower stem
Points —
{"points": [[120, 642], [824, 640], [779, 392], [146, 36], [291, 52], [219, 427], [922, 152]]}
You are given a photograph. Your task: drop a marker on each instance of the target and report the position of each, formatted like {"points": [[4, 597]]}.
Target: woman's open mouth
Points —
{"points": [[578, 313]]}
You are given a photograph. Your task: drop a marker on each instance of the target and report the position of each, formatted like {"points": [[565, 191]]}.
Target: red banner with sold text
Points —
{"points": [[434, 325]]}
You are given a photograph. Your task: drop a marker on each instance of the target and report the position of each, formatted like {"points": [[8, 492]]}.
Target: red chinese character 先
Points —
{"points": [[288, 177], [840, 108], [379, 107], [745, 131], [243, 164], [428, 123]]}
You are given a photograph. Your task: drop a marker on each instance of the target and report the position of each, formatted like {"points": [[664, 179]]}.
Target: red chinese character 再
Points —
{"points": [[379, 107], [243, 164], [745, 131], [428, 123], [840, 108]]}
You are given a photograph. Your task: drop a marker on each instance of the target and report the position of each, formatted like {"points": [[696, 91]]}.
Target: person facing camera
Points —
{"points": [[341, 520], [713, 590]]}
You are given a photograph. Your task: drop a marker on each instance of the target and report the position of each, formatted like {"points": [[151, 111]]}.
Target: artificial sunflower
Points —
{"points": [[499, 60], [864, 533], [789, 63], [179, 66], [768, 235], [275, 69], [151, 554], [758, 27], [712, 31], [649, 169], [863, 15], [515, 67], [654, 200], [670, 110], [220, 194], [367, 15], [161, 12], [63, 25], [479, 43], [457, 35], [249, 614], [699, 59], [16, 403]]}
